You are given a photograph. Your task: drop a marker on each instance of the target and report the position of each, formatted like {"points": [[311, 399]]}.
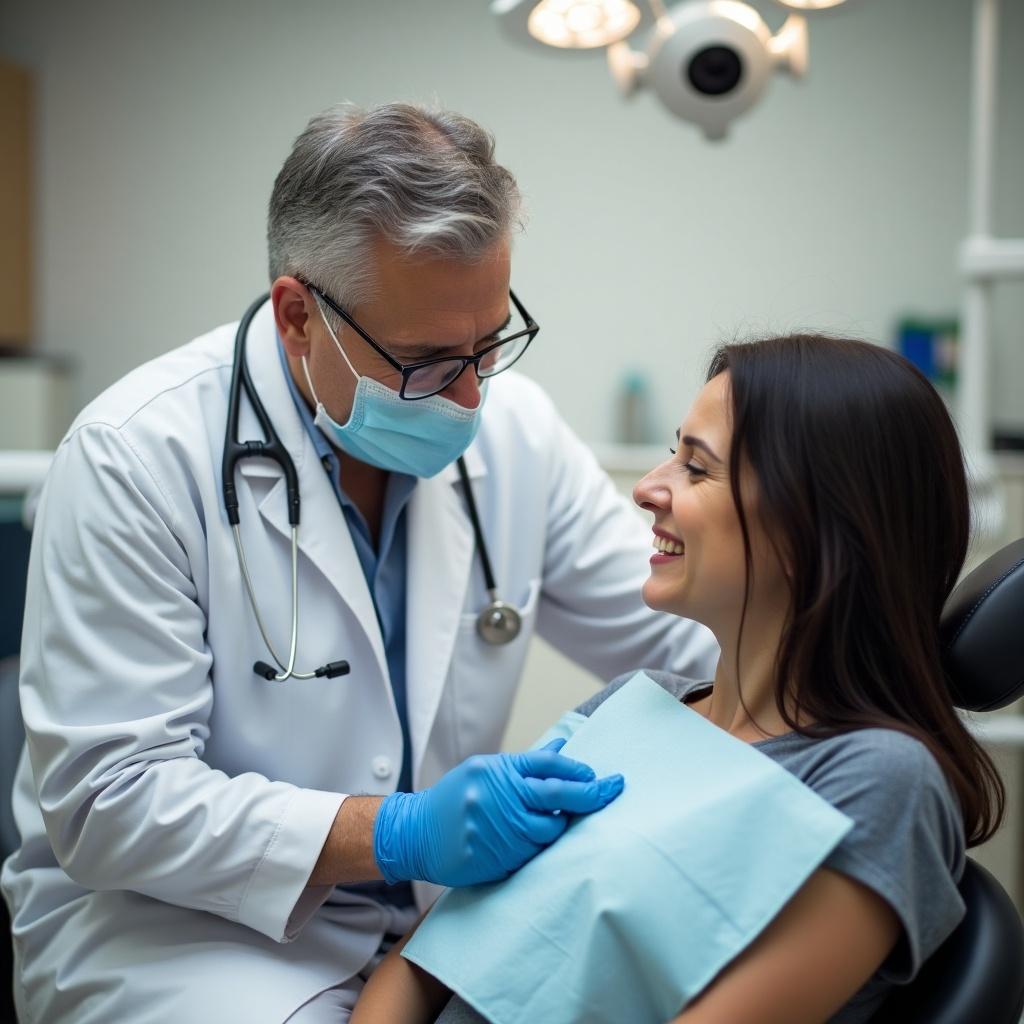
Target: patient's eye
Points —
{"points": [[692, 468]]}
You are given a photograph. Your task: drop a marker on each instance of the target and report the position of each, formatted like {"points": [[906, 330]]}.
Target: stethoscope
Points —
{"points": [[498, 623]]}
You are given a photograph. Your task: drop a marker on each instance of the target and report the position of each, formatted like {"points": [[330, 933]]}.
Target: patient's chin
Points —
{"points": [[651, 596], [662, 598], [674, 603]]}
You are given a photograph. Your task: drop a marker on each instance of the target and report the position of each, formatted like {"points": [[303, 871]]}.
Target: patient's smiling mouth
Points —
{"points": [[667, 547]]}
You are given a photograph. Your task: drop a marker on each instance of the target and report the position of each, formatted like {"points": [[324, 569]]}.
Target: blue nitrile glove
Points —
{"points": [[486, 817]]}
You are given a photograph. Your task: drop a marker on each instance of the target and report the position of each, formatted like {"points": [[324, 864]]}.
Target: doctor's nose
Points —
{"points": [[465, 390]]}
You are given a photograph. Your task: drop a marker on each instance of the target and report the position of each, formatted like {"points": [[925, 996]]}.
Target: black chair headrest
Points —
{"points": [[982, 632]]}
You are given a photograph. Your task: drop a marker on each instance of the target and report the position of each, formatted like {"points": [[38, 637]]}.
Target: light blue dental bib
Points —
{"points": [[636, 908]]}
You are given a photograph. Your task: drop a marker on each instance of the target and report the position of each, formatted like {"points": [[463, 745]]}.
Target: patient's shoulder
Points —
{"points": [[678, 686], [873, 775], [874, 764]]}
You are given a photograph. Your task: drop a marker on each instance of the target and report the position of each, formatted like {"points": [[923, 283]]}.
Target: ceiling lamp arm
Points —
{"points": [[789, 46]]}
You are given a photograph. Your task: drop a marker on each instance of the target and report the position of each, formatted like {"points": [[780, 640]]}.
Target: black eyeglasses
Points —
{"points": [[430, 376]]}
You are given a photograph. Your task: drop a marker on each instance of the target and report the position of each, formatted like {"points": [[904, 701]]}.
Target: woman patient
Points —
{"points": [[814, 516]]}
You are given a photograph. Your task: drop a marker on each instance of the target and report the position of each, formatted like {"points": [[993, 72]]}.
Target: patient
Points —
{"points": [[815, 517]]}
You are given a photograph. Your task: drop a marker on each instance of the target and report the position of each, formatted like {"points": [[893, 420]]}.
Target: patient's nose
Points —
{"points": [[650, 494]]}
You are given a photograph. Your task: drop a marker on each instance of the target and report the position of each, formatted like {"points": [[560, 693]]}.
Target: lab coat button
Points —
{"points": [[382, 767]]}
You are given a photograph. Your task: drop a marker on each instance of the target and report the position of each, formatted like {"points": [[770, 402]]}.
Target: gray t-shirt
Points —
{"points": [[906, 844]]}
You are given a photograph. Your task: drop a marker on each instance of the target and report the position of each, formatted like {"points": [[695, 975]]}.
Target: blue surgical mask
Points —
{"points": [[418, 438]]}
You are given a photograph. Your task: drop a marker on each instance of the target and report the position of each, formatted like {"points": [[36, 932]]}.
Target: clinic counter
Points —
{"points": [[20, 471]]}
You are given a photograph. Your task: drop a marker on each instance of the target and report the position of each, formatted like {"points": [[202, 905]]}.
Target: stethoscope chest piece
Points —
{"points": [[499, 623]]}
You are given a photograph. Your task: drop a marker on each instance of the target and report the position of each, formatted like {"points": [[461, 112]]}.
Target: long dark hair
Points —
{"points": [[863, 493]]}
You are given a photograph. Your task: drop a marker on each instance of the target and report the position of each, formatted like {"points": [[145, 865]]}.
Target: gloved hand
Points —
{"points": [[487, 817]]}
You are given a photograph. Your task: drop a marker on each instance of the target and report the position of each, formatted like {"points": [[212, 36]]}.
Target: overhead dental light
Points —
{"points": [[708, 61], [569, 24]]}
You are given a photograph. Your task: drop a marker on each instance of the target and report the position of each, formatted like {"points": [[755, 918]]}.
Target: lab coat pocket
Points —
{"points": [[484, 679]]}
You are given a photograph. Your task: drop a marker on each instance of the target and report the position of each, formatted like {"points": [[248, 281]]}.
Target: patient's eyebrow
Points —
{"points": [[696, 442]]}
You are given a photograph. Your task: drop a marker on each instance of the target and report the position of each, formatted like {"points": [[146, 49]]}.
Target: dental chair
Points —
{"points": [[977, 975]]}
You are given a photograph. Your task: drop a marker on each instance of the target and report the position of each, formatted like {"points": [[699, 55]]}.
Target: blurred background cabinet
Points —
{"points": [[15, 207]]}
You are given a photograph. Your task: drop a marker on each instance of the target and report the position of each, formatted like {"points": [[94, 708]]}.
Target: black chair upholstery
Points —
{"points": [[983, 633], [977, 975]]}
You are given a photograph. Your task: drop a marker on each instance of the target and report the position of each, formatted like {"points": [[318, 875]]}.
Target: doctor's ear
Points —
{"points": [[294, 314]]}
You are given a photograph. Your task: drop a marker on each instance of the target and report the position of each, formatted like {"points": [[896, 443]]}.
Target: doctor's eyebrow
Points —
{"points": [[428, 351], [696, 442]]}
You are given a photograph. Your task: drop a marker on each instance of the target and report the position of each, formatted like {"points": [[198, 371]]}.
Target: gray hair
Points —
{"points": [[424, 180]]}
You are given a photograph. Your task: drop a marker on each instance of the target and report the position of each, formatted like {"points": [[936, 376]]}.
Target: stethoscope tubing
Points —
{"points": [[289, 670], [269, 448]]}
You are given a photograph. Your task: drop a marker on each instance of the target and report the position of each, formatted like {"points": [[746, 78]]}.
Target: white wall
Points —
{"points": [[837, 203]]}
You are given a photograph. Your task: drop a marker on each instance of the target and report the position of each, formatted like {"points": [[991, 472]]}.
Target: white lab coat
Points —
{"points": [[172, 804]]}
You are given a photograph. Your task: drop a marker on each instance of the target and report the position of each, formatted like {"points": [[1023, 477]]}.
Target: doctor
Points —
{"points": [[204, 843]]}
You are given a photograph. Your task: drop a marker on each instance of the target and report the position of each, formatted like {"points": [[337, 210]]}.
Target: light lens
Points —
{"points": [[583, 24], [810, 5]]}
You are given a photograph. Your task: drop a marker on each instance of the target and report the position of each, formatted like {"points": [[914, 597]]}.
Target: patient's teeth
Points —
{"points": [[668, 547]]}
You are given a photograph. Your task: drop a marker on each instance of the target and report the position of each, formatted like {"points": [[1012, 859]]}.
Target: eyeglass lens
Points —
{"points": [[429, 380]]}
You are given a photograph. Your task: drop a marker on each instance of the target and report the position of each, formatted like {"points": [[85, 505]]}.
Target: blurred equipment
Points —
{"points": [[931, 345], [708, 61], [985, 259], [634, 402]]}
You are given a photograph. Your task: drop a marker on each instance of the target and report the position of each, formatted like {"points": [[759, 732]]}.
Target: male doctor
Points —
{"points": [[201, 843]]}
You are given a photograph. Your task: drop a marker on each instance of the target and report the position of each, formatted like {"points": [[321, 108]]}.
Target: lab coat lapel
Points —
{"points": [[323, 533], [441, 558]]}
